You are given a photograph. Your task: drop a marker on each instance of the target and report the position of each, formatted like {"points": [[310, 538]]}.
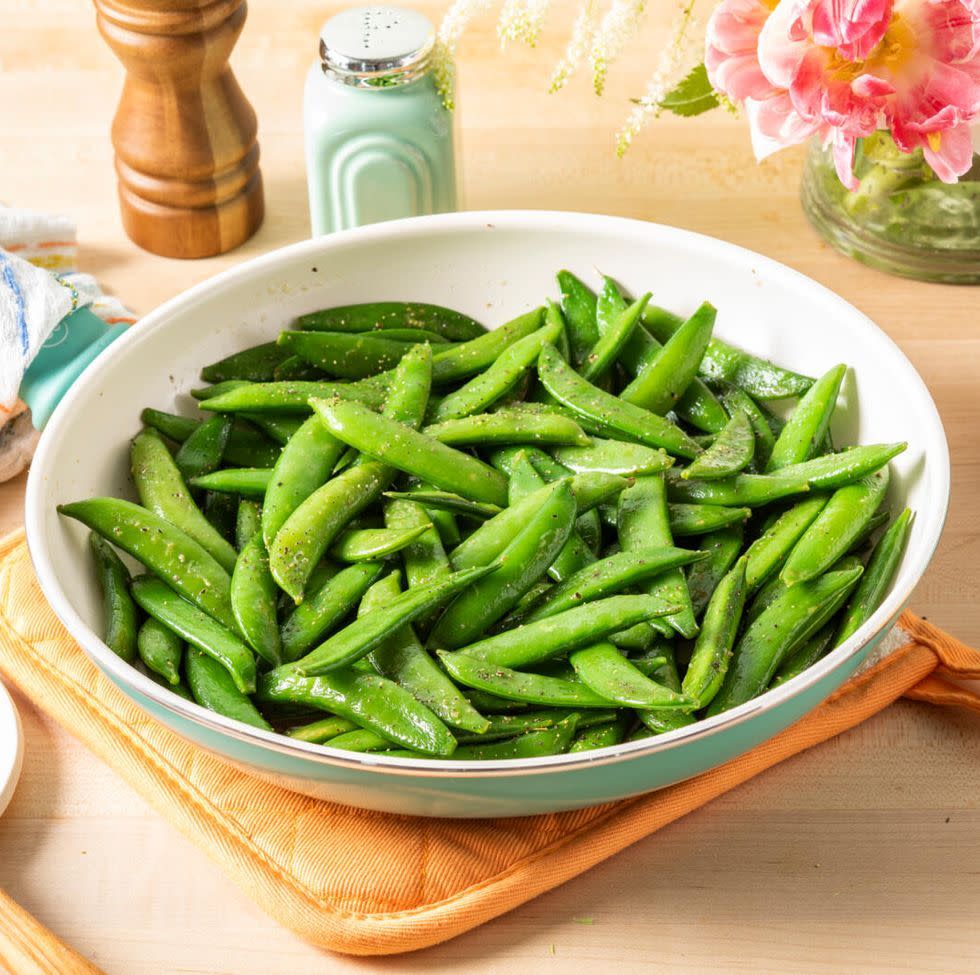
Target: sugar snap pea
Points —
{"points": [[523, 562], [249, 482], [369, 544], [662, 382], [411, 451], [203, 450], [644, 521], [600, 736], [161, 489], [295, 368], [736, 400], [425, 558], [117, 604], [160, 649], [447, 501], [163, 548], [778, 632], [275, 427], [659, 721], [730, 452], [608, 415], [877, 577], [534, 744], [369, 700], [253, 601], [566, 631], [325, 607], [502, 375], [345, 355], [578, 305], [246, 445], [811, 651], [699, 519], [612, 457], [767, 553], [721, 550], [604, 353], [469, 358], [318, 732], [508, 427], [807, 426], [214, 688], [293, 396], [519, 686], [401, 658], [386, 315], [834, 530], [719, 628], [257, 364], [605, 670], [248, 522], [198, 629]]}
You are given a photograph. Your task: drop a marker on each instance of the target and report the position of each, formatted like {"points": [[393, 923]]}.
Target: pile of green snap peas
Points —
{"points": [[394, 531]]}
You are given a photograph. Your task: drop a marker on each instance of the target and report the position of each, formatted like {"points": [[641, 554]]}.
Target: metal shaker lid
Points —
{"points": [[376, 47]]}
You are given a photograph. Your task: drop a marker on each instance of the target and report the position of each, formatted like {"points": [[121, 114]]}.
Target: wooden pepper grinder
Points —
{"points": [[184, 134]]}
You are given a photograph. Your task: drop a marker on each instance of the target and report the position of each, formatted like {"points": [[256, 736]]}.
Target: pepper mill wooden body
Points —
{"points": [[184, 134]]}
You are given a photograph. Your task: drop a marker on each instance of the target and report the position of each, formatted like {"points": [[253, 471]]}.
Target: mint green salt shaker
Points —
{"points": [[379, 140]]}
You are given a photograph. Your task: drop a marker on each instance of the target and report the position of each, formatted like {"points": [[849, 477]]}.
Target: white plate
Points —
{"points": [[11, 748]]}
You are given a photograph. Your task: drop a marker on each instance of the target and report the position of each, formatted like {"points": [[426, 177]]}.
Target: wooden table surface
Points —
{"points": [[860, 856]]}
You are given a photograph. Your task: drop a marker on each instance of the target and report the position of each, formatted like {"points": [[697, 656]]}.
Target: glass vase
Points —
{"points": [[901, 219]]}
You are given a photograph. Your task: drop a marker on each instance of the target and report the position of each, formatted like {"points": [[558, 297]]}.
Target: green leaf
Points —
{"points": [[692, 96]]}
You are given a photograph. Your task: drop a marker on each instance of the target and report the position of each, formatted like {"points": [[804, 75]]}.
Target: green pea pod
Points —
{"points": [[609, 305], [118, 607], [778, 632], [325, 607], [410, 387], [732, 451], [877, 577], [565, 631], [768, 552], [369, 700], [578, 305], [367, 632], [609, 576], [605, 670], [161, 489], [644, 521], [222, 511], [491, 705], [603, 354], [414, 453], [699, 519], [248, 522], [385, 315], [666, 377], [206, 392], [253, 601], [475, 355], [806, 428], [213, 688], [613, 457], [804, 658], [203, 450], [535, 744], [164, 549], [360, 740], [256, 364], [309, 531], [281, 429], [719, 628], [248, 482], [304, 465], [198, 629], [519, 686], [720, 549], [318, 732], [447, 501], [835, 529], [753, 490], [401, 658], [600, 736], [180, 688], [295, 368], [293, 396], [878, 520], [523, 562], [506, 427], [735, 401], [607, 415], [756, 376], [161, 650], [500, 377], [446, 526], [658, 721], [246, 445], [345, 355], [370, 544], [415, 336], [425, 559], [508, 725]]}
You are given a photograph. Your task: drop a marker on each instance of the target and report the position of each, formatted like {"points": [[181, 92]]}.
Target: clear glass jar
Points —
{"points": [[902, 218]]}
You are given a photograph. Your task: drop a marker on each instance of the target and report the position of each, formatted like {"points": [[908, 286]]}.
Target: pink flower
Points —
{"points": [[842, 69]]}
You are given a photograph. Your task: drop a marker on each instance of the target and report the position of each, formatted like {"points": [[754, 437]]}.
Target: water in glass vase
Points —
{"points": [[902, 218]]}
